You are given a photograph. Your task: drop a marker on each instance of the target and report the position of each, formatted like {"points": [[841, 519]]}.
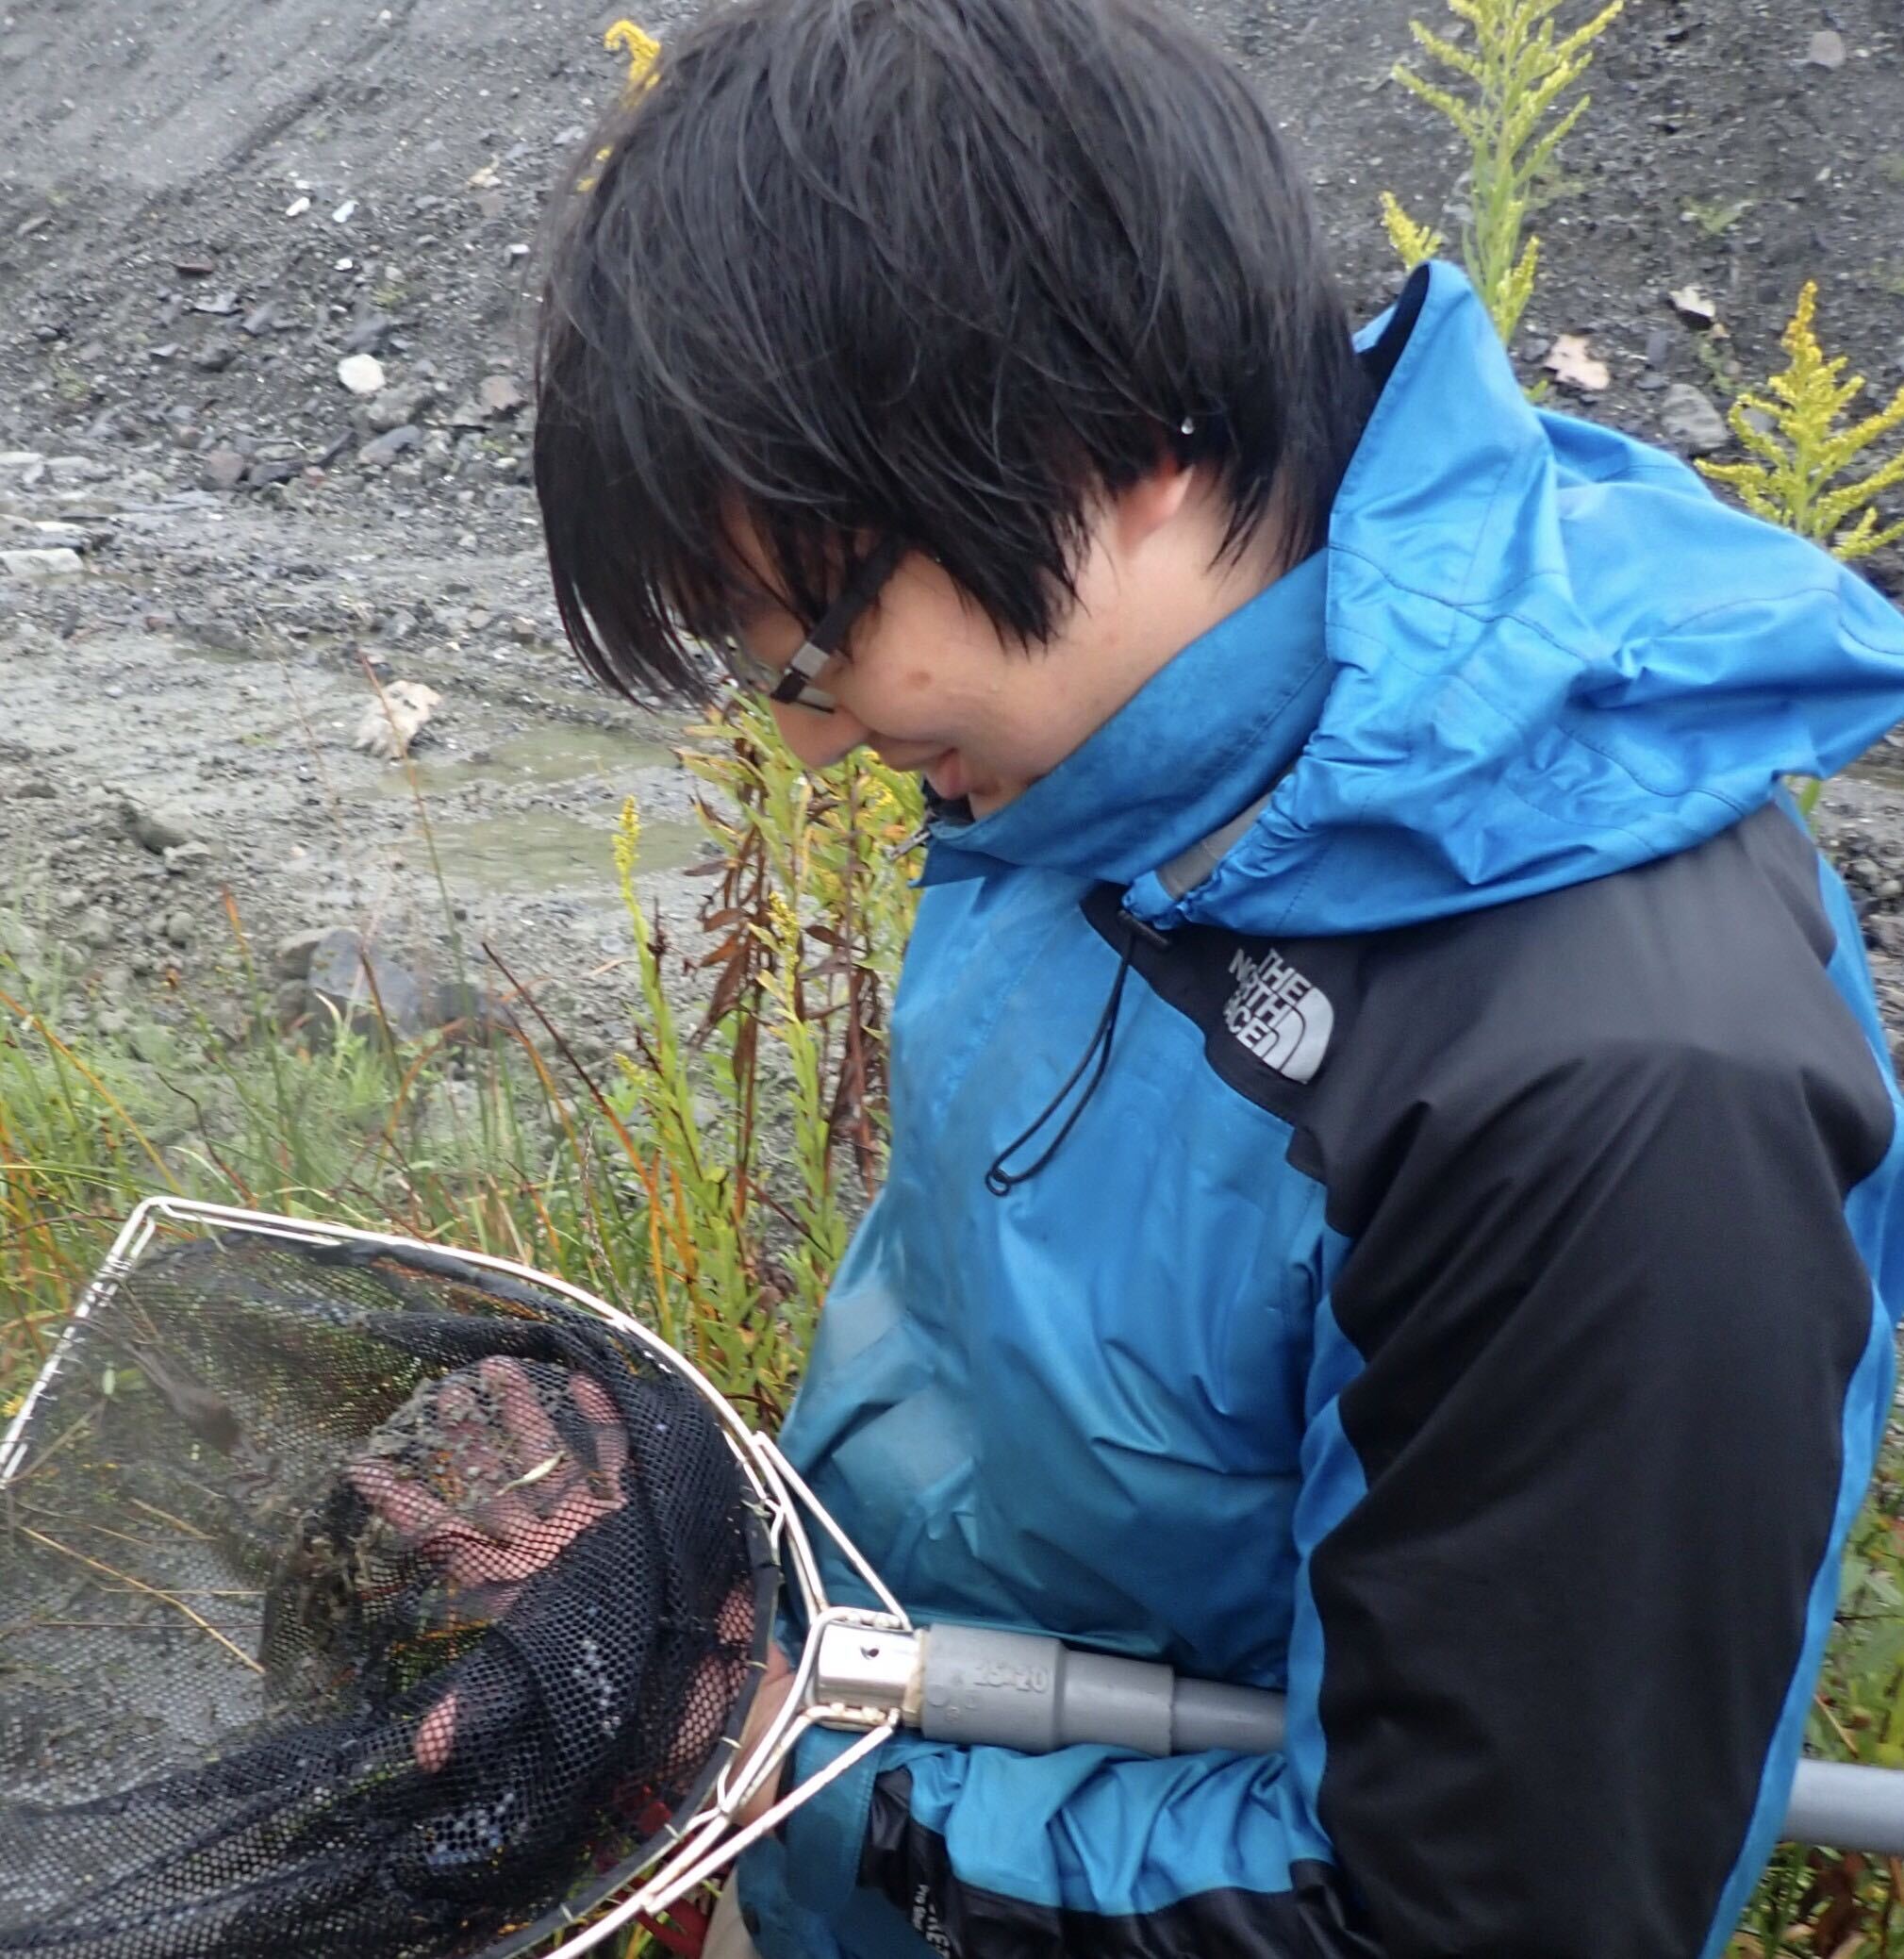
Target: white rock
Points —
{"points": [[297, 207], [345, 212], [57, 563], [390, 722], [44, 531], [362, 373]]}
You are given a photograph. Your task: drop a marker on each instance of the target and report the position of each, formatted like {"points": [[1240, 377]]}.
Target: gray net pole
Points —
{"points": [[1034, 1694]]}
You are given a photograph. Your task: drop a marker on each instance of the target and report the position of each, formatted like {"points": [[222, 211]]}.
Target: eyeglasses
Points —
{"points": [[793, 685]]}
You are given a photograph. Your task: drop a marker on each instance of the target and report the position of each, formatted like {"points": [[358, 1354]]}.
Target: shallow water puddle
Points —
{"points": [[541, 851], [556, 752]]}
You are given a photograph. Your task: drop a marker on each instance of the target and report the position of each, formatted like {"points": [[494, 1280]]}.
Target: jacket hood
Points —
{"points": [[1534, 651]]}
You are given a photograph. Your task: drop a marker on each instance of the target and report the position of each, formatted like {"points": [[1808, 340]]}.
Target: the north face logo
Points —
{"points": [[1278, 1016]]}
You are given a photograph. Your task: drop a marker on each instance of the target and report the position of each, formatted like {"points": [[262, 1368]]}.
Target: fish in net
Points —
{"points": [[357, 1601]]}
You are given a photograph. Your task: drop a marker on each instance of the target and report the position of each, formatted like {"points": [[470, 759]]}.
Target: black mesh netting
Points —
{"points": [[357, 1603]]}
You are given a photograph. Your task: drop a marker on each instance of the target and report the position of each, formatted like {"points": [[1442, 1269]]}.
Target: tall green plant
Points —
{"points": [[1503, 98], [1802, 451], [756, 1134]]}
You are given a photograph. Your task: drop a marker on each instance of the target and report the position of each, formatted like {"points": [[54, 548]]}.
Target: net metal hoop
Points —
{"points": [[698, 1846]]}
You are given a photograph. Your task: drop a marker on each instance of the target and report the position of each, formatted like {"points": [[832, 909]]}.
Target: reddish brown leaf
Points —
{"points": [[727, 991], [726, 950]]}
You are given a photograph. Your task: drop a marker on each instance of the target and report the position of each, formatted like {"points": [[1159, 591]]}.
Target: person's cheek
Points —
{"points": [[819, 741]]}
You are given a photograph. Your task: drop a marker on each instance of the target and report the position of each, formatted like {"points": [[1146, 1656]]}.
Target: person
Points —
{"points": [[1394, 1187]]}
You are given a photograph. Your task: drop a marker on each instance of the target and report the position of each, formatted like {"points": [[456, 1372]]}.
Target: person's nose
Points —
{"points": [[818, 739]]}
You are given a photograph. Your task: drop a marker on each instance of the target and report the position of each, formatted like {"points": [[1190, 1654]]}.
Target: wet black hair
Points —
{"points": [[938, 270]]}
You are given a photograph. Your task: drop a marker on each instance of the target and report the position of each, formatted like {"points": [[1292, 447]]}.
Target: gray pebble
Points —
{"points": [[1689, 421]]}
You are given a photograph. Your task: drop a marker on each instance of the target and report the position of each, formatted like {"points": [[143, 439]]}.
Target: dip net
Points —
{"points": [[357, 1600]]}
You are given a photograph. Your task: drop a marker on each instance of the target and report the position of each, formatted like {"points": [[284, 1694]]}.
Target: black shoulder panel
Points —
{"points": [[1591, 1153]]}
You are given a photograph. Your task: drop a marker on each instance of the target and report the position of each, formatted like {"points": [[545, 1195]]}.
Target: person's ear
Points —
{"points": [[1142, 508]]}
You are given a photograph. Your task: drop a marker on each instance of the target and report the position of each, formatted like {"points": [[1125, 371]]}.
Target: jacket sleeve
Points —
{"points": [[1593, 1397], [1595, 1388]]}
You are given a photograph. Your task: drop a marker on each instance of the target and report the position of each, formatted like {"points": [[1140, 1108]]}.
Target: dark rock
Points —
{"points": [[1691, 422], [291, 956], [386, 449], [470, 1011], [363, 986], [369, 334], [156, 830], [224, 469], [291, 1004], [397, 408], [214, 356]]}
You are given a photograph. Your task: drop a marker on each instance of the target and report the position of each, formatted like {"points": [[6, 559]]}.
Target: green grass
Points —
{"points": [[1716, 216]]}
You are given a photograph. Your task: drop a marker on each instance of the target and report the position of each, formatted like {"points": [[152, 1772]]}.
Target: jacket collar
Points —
{"points": [[1206, 735]]}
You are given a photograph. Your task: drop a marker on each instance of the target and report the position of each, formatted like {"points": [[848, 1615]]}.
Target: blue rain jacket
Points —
{"points": [[1465, 1300]]}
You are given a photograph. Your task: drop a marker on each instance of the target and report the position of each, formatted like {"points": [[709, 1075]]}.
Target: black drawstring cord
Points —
{"points": [[1001, 1182]]}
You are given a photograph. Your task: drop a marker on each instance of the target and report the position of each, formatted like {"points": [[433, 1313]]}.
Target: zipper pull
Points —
{"points": [[922, 835], [1141, 928]]}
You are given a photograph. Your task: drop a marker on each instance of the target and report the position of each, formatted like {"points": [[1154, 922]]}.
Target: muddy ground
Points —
{"points": [[205, 204]]}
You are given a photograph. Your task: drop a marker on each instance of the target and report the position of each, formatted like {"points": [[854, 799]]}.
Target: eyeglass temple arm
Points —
{"points": [[823, 641]]}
